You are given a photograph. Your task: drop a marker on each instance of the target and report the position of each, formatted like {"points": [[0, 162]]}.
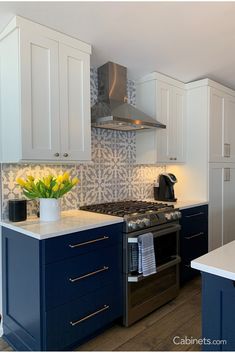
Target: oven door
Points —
{"points": [[166, 248], [142, 295]]}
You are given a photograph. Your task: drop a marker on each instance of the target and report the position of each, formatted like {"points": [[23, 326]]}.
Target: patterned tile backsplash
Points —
{"points": [[113, 174]]}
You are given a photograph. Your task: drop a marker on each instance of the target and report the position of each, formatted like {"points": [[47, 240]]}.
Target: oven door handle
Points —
{"points": [[157, 233], [175, 261], [172, 228]]}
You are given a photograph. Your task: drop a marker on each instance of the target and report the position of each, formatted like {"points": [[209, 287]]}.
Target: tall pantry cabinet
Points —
{"points": [[45, 94], [210, 170]]}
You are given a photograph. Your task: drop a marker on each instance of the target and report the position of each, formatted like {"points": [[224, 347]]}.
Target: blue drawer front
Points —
{"points": [[194, 244], [194, 215], [72, 278], [94, 311], [193, 239], [75, 244]]}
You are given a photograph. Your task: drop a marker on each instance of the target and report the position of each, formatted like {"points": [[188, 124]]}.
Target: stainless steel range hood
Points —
{"points": [[112, 110]]}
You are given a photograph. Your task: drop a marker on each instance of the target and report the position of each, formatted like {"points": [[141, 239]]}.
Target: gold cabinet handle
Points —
{"points": [[72, 246], [105, 268], [195, 215], [194, 236], [74, 323]]}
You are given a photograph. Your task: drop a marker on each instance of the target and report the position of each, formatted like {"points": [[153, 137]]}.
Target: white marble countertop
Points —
{"points": [[183, 204], [70, 222], [219, 262]]}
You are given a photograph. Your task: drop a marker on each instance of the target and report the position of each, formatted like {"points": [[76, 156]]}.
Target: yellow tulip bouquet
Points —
{"points": [[47, 187]]}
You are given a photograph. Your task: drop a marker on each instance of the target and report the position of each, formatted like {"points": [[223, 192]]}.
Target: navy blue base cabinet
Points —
{"points": [[193, 239], [218, 312], [59, 292]]}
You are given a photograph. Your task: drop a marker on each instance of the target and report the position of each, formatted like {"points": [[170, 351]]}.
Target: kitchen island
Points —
{"points": [[218, 298]]}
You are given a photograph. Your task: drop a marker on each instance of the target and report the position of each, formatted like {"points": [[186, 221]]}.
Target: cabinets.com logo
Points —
{"points": [[177, 340]]}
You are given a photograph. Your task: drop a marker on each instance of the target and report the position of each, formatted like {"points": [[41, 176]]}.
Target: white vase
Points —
{"points": [[49, 210]]}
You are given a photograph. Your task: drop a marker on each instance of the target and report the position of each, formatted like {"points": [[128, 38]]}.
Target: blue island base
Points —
{"points": [[218, 313]]}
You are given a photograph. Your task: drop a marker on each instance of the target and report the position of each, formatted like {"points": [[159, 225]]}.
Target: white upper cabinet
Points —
{"points": [[74, 103], [46, 77], [222, 126], [164, 99], [39, 97]]}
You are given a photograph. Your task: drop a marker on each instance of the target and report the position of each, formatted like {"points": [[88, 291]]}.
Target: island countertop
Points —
{"points": [[70, 222], [219, 262]]}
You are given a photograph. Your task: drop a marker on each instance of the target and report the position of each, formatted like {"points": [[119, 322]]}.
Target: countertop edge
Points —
{"points": [[59, 233], [193, 205], [213, 270]]}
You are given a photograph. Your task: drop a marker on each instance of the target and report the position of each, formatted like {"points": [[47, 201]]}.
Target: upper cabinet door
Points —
{"points": [[39, 97], [222, 126], [229, 129], [178, 124], [164, 100], [74, 71], [163, 109], [217, 101], [171, 112]]}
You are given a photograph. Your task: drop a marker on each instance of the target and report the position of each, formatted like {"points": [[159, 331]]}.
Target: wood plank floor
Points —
{"points": [[181, 317]]}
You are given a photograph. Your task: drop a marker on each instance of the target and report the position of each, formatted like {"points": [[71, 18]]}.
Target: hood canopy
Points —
{"points": [[112, 110]]}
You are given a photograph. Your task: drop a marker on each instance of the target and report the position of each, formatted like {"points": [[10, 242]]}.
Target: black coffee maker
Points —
{"points": [[165, 189]]}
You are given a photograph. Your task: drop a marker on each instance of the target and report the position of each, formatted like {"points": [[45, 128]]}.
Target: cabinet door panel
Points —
{"points": [[177, 135], [216, 182], [217, 101], [229, 128], [164, 100], [40, 97], [229, 206], [171, 112], [222, 205], [74, 104]]}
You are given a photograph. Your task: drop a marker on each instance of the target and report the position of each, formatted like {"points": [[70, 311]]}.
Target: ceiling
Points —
{"points": [[185, 40]]}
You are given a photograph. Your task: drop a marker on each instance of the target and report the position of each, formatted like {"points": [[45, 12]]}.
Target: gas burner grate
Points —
{"points": [[123, 208]]}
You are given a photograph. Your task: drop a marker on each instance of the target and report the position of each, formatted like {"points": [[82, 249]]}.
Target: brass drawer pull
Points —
{"points": [[88, 242], [194, 236], [74, 323], [105, 268], [195, 215]]}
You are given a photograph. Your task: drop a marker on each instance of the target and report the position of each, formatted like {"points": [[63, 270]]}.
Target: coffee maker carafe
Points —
{"points": [[165, 189]]}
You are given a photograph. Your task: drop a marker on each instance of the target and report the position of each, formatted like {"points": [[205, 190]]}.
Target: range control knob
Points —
{"points": [[132, 225], [168, 216], [175, 215], [179, 214], [146, 222], [138, 223]]}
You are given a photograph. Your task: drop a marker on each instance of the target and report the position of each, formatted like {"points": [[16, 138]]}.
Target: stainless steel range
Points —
{"points": [[142, 294]]}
